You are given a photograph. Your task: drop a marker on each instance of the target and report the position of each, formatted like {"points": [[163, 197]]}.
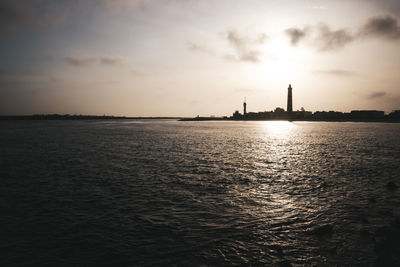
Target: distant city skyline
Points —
{"points": [[305, 115], [188, 58]]}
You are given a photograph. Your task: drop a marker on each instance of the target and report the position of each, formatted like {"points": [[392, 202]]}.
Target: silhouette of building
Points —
{"points": [[289, 100], [303, 115], [328, 115], [367, 114], [236, 115], [394, 115], [244, 107]]}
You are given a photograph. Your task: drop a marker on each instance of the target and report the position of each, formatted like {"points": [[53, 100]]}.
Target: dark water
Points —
{"points": [[123, 193]]}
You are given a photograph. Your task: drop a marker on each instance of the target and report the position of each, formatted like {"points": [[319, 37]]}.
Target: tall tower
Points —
{"points": [[289, 100], [244, 107]]}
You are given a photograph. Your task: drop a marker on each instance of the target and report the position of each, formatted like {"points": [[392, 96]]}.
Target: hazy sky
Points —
{"points": [[187, 57]]}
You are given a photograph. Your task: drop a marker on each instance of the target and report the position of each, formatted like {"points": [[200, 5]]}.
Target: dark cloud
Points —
{"points": [[296, 34], [329, 40], [337, 72], [324, 38], [321, 37], [244, 47], [91, 61], [392, 6], [383, 26], [111, 61], [80, 62], [376, 95], [18, 14]]}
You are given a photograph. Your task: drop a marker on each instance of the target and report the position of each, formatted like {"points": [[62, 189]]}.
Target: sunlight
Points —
{"points": [[278, 128], [282, 62]]}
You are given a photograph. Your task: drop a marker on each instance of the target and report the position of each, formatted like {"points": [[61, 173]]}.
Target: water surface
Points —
{"points": [[197, 193]]}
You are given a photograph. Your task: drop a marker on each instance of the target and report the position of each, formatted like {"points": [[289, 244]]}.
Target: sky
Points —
{"points": [[189, 58]]}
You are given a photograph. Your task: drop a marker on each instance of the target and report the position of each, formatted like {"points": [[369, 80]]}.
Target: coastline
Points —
{"points": [[93, 117], [285, 119]]}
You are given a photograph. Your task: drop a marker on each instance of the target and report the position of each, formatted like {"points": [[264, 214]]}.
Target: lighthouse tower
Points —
{"points": [[289, 100], [244, 107]]}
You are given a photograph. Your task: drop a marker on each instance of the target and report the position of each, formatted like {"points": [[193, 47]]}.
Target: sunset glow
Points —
{"points": [[200, 132], [187, 58]]}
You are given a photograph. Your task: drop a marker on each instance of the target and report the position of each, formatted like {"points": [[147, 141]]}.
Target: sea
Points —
{"points": [[209, 193]]}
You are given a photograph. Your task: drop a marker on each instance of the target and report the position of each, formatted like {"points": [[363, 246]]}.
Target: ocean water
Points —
{"points": [[169, 193]]}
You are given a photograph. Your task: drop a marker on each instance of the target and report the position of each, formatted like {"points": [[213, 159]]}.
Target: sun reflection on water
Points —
{"points": [[278, 128], [274, 158]]}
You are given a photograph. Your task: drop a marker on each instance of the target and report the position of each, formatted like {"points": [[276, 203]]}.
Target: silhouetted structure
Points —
{"points": [[328, 115], [303, 115], [289, 100], [395, 115], [367, 114], [244, 108], [237, 116]]}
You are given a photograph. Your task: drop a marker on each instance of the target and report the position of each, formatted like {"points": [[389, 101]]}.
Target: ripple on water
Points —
{"points": [[211, 193]]}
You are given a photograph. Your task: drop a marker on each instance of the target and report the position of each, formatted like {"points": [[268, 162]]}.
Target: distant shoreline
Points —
{"points": [[93, 117], [81, 117], [285, 119]]}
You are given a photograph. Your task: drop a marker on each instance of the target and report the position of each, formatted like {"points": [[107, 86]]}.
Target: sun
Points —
{"points": [[282, 63]]}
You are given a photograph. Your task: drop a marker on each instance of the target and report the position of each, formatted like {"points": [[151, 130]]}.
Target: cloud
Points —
{"points": [[323, 38], [80, 62], [337, 72], [392, 6], [244, 47], [262, 37], [296, 34], [328, 40], [111, 61], [376, 95], [90, 61], [383, 26], [198, 48]]}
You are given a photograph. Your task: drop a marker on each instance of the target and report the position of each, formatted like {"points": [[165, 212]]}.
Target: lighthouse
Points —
{"points": [[244, 107], [289, 100]]}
